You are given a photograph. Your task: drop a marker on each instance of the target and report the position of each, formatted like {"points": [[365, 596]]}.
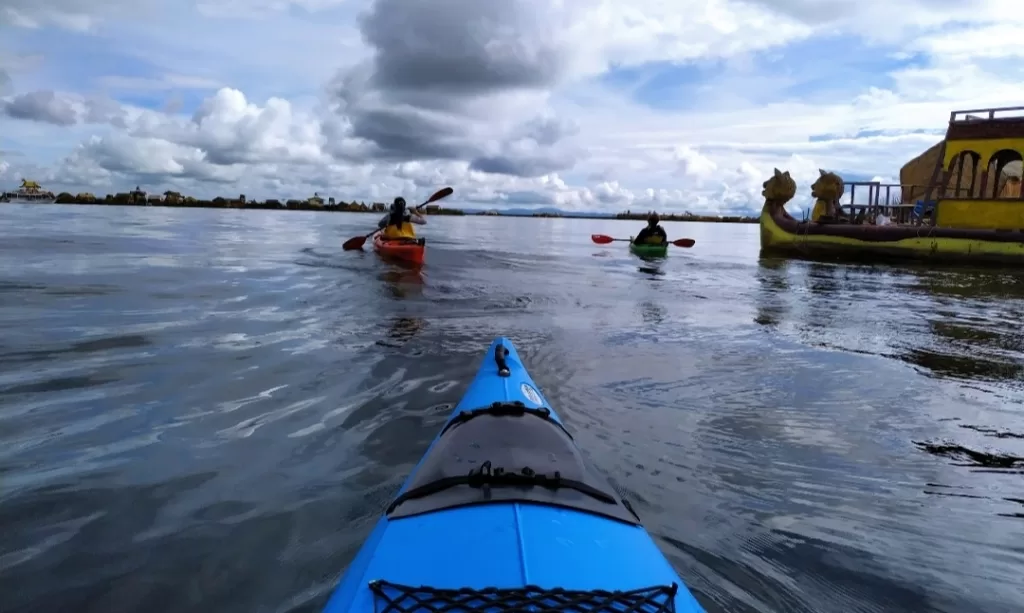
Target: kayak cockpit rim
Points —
{"points": [[478, 456]]}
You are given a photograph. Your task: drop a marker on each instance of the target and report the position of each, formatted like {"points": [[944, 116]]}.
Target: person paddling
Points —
{"points": [[653, 233], [397, 223]]}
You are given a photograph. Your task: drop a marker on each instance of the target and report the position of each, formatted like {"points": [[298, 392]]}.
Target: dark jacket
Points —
{"points": [[396, 218], [648, 233]]}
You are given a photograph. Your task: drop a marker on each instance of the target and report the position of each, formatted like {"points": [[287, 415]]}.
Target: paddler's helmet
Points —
{"points": [[653, 219]]}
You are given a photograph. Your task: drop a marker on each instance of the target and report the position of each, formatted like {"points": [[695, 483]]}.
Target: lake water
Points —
{"points": [[209, 409]]}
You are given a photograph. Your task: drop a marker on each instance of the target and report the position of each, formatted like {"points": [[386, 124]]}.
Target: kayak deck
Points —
{"points": [[554, 536], [508, 546]]}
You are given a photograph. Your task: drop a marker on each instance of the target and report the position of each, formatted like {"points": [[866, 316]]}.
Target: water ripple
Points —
{"points": [[220, 403]]}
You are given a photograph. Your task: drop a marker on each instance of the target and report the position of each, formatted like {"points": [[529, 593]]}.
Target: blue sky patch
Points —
{"points": [[818, 69], [76, 60], [821, 138], [663, 85]]}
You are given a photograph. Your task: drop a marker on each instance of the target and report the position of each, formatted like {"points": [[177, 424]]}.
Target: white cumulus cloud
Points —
{"points": [[578, 104]]}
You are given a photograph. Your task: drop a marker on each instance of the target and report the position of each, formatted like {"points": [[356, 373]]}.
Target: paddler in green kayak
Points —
{"points": [[653, 233], [397, 224]]}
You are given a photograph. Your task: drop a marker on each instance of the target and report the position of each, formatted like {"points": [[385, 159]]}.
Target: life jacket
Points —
{"points": [[403, 230], [652, 238], [399, 225]]}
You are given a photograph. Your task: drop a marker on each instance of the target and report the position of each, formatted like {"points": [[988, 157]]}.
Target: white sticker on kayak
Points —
{"points": [[531, 394]]}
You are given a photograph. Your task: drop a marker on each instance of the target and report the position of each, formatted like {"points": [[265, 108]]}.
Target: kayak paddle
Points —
{"points": [[358, 241], [602, 239]]}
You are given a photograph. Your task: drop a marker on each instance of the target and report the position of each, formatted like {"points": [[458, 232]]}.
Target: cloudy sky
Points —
{"points": [[579, 104]]}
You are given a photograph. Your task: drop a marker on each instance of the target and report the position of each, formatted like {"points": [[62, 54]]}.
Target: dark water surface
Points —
{"points": [[207, 410]]}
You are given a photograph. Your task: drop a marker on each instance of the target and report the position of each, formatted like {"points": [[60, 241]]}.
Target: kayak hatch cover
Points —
{"points": [[503, 514]]}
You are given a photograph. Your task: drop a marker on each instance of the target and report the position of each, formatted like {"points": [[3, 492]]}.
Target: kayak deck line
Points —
{"points": [[503, 409], [399, 598], [488, 476], [490, 441]]}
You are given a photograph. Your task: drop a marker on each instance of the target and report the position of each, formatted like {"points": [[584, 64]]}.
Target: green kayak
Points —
{"points": [[649, 250]]}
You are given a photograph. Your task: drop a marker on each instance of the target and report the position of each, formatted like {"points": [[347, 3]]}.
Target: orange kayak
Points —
{"points": [[403, 249]]}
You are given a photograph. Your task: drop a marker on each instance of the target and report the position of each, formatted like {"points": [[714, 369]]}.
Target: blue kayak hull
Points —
{"points": [[504, 544]]}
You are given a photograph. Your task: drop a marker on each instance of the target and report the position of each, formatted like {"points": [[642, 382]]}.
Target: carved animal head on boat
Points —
{"points": [[779, 189], [829, 186]]}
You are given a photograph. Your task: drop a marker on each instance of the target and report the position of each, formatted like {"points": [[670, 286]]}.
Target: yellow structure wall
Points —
{"points": [[984, 214], [985, 148]]}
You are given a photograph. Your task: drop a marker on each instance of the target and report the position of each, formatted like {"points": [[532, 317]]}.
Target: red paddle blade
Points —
{"points": [[601, 239], [354, 243], [684, 242]]}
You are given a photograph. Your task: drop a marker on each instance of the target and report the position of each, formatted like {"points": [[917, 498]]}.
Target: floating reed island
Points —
{"points": [[28, 192], [688, 216], [139, 197]]}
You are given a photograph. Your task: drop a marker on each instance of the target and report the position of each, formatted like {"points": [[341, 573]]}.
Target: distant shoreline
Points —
{"points": [[376, 208]]}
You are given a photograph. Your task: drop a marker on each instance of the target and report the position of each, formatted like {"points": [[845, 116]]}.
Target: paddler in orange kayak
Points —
{"points": [[397, 224]]}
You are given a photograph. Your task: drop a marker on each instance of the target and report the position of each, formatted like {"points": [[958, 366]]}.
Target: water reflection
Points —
{"points": [[948, 324], [965, 456], [773, 291], [969, 367], [976, 284], [651, 313], [401, 330], [974, 330], [652, 268], [251, 402], [403, 280], [955, 327], [823, 285]]}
